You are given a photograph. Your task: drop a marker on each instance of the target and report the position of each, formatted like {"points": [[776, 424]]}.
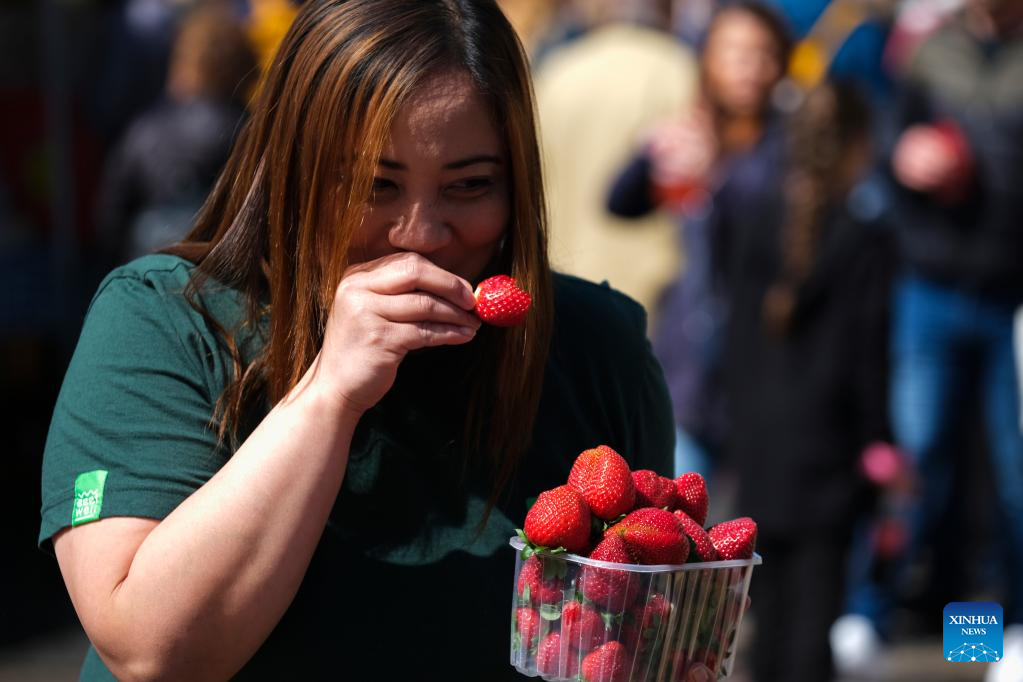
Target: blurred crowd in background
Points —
{"points": [[818, 202]]}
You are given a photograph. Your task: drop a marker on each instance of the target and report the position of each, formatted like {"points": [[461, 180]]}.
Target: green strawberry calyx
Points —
{"points": [[612, 522], [530, 548]]}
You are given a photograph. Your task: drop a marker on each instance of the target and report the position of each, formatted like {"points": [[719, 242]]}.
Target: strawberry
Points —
{"points": [[654, 614], [603, 478], [735, 539], [607, 663], [559, 518], [653, 490], [582, 626], [684, 666], [702, 545], [528, 626], [691, 490], [500, 301], [647, 626], [629, 633], [654, 536], [609, 589], [549, 658], [534, 589], [707, 657]]}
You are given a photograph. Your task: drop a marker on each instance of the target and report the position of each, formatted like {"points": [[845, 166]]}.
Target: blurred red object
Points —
{"points": [[681, 195], [890, 537], [883, 464]]}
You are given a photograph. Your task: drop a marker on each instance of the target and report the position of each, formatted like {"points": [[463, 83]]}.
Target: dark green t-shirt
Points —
{"points": [[401, 585]]}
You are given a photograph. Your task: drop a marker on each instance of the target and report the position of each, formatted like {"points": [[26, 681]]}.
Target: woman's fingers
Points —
{"points": [[427, 334], [420, 306], [407, 272]]}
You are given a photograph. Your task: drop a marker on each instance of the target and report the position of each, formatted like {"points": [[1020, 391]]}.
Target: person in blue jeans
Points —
{"points": [[956, 169]]}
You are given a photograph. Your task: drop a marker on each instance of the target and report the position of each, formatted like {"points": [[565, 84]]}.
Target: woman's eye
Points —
{"points": [[471, 187], [383, 186]]}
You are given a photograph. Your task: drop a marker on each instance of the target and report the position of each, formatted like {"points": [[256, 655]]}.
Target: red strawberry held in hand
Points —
{"points": [[500, 301], [702, 545], [691, 491], [607, 663], [559, 518], [735, 539], [654, 536], [653, 490], [603, 478]]}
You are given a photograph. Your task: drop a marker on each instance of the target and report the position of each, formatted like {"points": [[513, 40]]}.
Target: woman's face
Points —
{"points": [[441, 188], [741, 63]]}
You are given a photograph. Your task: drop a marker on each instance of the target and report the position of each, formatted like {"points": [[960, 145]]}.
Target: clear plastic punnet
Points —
{"points": [[575, 618]]}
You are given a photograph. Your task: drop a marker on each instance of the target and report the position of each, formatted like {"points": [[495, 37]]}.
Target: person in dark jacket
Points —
{"points": [[957, 168], [160, 172], [804, 364]]}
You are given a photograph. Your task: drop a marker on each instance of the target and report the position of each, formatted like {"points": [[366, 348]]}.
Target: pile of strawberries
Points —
{"points": [[599, 621], [610, 513]]}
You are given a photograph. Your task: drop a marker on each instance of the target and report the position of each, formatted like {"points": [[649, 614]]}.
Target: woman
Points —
{"points": [[743, 57], [162, 169], [807, 275], [293, 451]]}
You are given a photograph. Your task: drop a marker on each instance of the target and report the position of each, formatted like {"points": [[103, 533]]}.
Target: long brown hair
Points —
{"points": [[280, 219], [821, 136]]}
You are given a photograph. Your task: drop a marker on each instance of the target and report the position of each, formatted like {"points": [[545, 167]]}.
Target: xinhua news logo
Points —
{"points": [[972, 632]]}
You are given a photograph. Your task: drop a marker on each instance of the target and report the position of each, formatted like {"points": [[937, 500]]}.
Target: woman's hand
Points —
{"points": [[684, 151], [382, 310]]}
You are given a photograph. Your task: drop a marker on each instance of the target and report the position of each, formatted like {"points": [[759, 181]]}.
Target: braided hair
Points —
{"points": [[823, 135]]}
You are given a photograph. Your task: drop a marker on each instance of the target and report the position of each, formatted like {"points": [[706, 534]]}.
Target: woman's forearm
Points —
{"points": [[211, 581]]}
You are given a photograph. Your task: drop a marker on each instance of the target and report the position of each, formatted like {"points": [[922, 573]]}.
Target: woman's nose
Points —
{"points": [[420, 228]]}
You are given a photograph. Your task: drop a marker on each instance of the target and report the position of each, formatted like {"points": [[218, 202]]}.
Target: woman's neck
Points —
{"points": [[738, 133]]}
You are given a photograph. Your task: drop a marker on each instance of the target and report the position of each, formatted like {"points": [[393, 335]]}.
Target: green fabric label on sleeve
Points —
{"points": [[88, 496]]}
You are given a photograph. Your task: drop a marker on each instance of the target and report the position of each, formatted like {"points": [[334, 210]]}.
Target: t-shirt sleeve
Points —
{"points": [[130, 434]]}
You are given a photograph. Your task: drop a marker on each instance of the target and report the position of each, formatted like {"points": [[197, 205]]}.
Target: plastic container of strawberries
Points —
{"points": [[648, 624]]}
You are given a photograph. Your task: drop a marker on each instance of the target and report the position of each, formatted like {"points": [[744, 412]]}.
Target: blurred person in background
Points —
{"points": [[804, 364], [596, 95], [158, 175], [956, 169], [543, 25], [914, 22], [742, 59]]}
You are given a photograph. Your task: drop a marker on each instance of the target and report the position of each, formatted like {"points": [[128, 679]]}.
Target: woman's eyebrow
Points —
{"points": [[468, 161], [454, 165]]}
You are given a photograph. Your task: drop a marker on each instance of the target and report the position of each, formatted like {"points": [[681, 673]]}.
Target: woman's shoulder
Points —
{"points": [[159, 272], [596, 310], [162, 281]]}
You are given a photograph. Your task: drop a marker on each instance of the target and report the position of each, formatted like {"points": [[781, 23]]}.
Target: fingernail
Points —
{"points": [[468, 331]]}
